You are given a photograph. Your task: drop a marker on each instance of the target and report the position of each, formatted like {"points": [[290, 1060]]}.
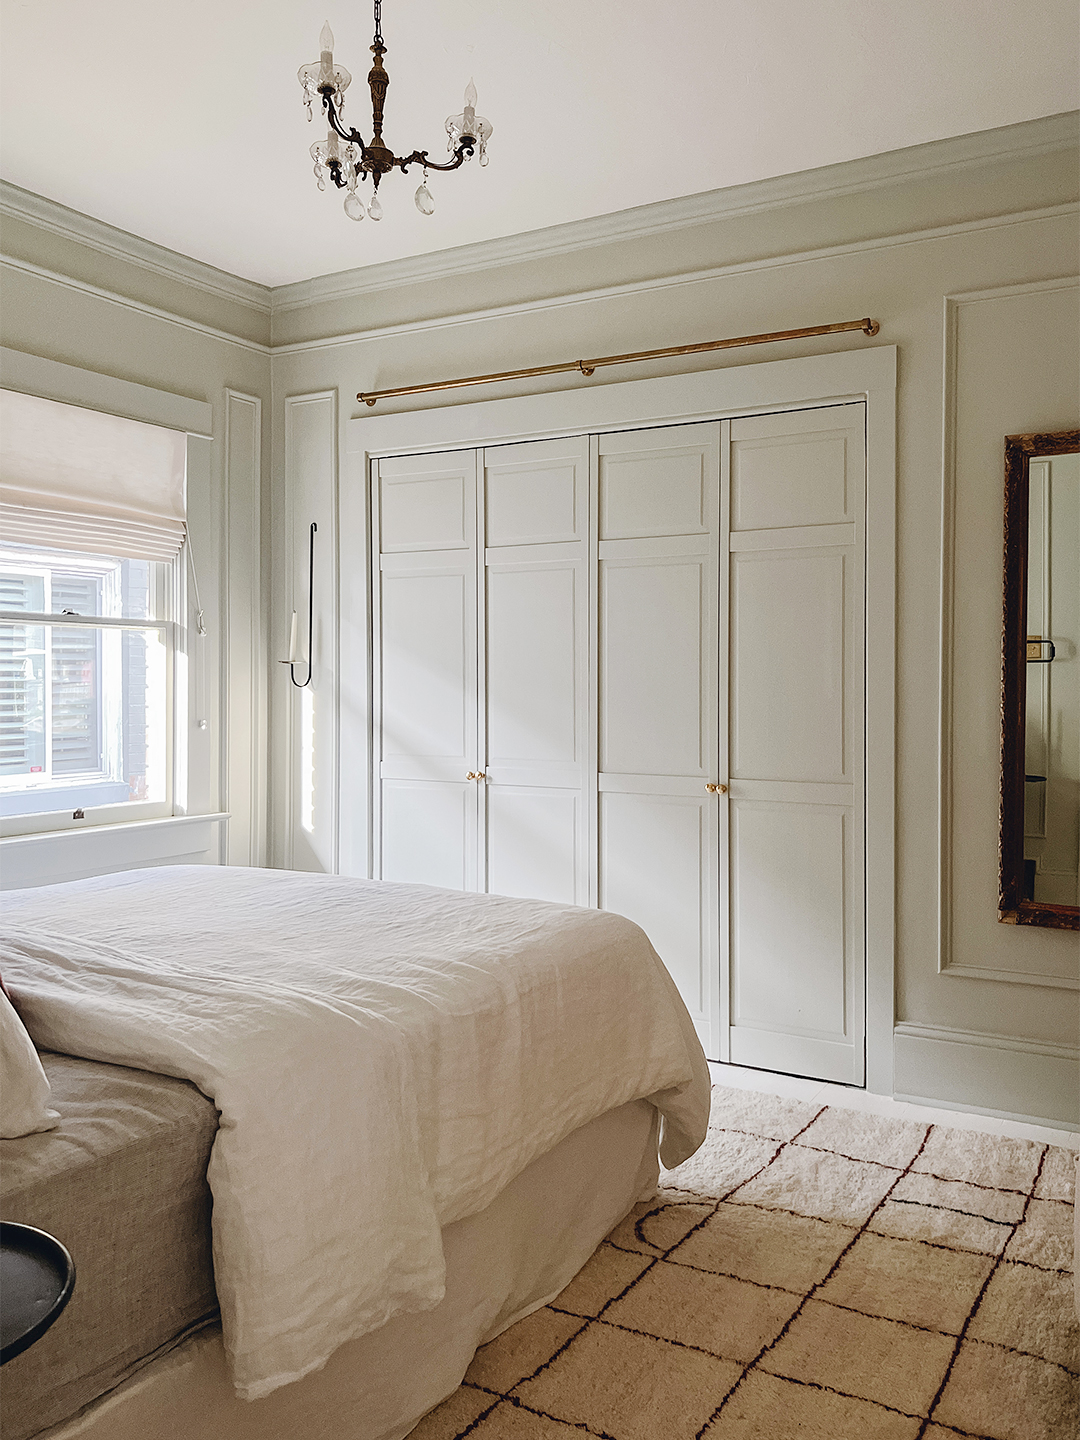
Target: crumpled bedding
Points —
{"points": [[385, 1059]]}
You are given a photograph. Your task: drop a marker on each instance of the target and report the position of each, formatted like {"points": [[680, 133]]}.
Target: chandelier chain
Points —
{"points": [[378, 22]]}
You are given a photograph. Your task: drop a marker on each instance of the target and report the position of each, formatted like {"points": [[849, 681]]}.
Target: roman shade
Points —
{"points": [[75, 479]]}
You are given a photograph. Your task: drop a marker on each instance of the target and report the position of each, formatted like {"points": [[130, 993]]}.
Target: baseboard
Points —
{"points": [[1013, 1078]]}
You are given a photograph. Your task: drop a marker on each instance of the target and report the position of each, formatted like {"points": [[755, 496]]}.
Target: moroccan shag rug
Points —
{"points": [[810, 1274]]}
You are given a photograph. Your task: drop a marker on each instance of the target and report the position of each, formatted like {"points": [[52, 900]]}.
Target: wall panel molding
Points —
{"points": [[953, 305], [308, 717], [244, 700]]}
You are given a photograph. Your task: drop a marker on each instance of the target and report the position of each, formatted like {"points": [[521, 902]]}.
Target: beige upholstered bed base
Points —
{"points": [[501, 1264]]}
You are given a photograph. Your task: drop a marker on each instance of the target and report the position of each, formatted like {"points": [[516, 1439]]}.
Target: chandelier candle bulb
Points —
{"points": [[326, 55], [293, 654]]}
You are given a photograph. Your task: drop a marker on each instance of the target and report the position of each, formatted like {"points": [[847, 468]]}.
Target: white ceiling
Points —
{"points": [[183, 122]]}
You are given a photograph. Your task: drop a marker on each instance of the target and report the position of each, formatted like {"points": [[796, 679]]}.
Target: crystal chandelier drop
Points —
{"points": [[348, 160]]}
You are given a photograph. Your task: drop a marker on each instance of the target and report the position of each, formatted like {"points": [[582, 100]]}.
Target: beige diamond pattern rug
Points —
{"points": [[812, 1273]]}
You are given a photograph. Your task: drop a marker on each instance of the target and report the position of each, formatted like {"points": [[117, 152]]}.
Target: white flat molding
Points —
{"points": [[1025, 140], [36, 375], [49, 857]]}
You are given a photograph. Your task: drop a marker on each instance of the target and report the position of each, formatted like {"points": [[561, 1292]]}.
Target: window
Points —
{"points": [[94, 523], [85, 701]]}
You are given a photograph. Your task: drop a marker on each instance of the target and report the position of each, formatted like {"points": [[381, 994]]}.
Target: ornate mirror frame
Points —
{"points": [[1013, 909]]}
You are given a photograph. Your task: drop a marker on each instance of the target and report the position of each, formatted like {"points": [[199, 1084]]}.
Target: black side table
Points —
{"points": [[37, 1276]]}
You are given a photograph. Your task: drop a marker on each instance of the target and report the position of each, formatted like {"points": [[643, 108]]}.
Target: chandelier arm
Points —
{"points": [[420, 157], [350, 135]]}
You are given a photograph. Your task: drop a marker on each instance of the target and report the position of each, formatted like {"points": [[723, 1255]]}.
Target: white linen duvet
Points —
{"points": [[385, 1059]]}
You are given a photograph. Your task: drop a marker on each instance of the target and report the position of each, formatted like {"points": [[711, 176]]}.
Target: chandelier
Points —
{"points": [[348, 160]]}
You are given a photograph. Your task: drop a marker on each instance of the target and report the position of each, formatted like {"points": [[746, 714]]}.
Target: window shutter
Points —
{"points": [[75, 479]]}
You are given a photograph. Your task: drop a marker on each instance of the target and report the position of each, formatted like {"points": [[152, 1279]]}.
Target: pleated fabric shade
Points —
{"points": [[75, 479]]}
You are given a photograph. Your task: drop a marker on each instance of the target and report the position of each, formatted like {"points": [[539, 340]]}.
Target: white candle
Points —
{"points": [[326, 55], [293, 656]]}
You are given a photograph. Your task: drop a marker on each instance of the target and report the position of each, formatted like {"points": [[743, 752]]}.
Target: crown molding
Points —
{"points": [[121, 245], [1026, 140], [83, 287], [671, 282]]}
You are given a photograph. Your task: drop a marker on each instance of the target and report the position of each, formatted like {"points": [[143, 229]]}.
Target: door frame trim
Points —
{"points": [[867, 373]]}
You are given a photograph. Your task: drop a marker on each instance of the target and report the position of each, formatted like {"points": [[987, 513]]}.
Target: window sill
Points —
{"points": [[48, 857]]}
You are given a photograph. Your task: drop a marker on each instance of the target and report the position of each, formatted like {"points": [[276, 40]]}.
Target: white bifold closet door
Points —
{"points": [[631, 676], [481, 670], [793, 635], [731, 706], [659, 837]]}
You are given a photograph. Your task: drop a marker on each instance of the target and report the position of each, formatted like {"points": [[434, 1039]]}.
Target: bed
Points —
{"points": [[411, 1113]]}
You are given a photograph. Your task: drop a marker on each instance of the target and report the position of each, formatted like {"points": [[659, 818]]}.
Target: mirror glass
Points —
{"points": [[1052, 665], [1040, 683]]}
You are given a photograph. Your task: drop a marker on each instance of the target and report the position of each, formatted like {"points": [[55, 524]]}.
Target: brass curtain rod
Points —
{"points": [[586, 367]]}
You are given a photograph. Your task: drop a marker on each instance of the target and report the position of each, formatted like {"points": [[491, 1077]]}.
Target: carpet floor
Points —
{"points": [[812, 1273]]}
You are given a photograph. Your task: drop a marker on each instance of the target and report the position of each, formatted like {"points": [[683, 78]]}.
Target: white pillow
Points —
{"points": [[24, 1086]]}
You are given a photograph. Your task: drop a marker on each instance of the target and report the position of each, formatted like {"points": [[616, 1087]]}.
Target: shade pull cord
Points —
{"points": [[200, 626]]}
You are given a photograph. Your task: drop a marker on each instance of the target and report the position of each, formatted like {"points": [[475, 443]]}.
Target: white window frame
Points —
{"points": [[171, 603]]}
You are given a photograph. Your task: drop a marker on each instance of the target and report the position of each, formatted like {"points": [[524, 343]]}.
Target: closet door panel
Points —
{"points": [[657, 867], [534, 685], [657, 482], [537, 493], [534, 700], [657, 732], [792, 951], [790, 667], [428, 671], [654, 665], [533, 843], [794, 644], [427, 831], [427, 502], [800, 468]]}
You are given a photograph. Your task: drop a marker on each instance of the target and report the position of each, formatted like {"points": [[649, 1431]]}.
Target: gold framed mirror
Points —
{"points": [[1040, 683]]}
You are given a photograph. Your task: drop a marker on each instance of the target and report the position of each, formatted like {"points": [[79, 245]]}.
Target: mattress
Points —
{"points": [[122, 1183]]}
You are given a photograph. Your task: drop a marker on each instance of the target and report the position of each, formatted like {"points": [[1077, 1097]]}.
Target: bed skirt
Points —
{"points": [[501, 1264]]}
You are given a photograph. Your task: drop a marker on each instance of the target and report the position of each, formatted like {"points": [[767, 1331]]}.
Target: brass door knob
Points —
{"points": [[716, 789], [475, 775], [470, 775]]}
